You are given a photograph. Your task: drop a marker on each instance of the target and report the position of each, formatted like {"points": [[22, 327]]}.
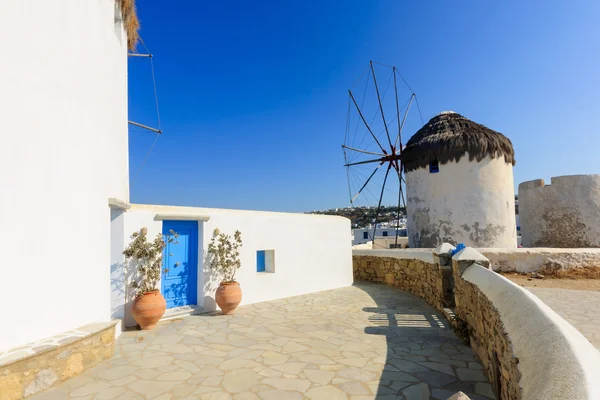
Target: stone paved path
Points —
{"points": [[581, 308], [362, 342]]}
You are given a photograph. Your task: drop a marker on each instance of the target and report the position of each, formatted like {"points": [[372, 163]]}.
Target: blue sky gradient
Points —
{"points": [[253, 95]]}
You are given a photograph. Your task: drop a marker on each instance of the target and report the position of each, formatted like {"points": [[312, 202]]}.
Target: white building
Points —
{"points": [[364, 235], [460, 189], [63, 95], [65, 206], [273, 265]]}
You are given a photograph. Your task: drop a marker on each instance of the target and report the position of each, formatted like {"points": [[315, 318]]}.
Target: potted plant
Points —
{"points": [[149, 304], [224, 258]]}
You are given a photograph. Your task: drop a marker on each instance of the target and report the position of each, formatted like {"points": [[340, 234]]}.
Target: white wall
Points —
{"points": [[563, 214], [535, 259], [555, 360], [465, 202], [305, 260], [63, 96]]}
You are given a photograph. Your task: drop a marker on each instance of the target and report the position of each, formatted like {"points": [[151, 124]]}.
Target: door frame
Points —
{"points": [[193, 255]]}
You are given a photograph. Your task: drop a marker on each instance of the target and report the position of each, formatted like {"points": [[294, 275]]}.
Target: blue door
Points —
{"points": [[179, 283]]}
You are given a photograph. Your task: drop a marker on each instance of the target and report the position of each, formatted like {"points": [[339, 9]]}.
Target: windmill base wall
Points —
{"points": [[465, 202], [563, 214]]}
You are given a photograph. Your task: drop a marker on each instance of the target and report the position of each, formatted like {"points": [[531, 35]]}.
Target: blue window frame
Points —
{"points": [[260, 261], [434, 167], [365, 235]]}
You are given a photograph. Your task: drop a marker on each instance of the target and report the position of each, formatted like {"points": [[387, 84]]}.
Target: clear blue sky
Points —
{"points": [[253, 95]]}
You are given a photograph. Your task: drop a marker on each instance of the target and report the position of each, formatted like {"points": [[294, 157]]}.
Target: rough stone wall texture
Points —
{"points": [[465, 202], [535, 259], [481, 322], [37, 373], [418, 277], [563, 214]]}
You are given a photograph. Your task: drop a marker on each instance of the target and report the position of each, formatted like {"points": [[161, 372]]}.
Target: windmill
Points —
{"points": [[373, 139]]}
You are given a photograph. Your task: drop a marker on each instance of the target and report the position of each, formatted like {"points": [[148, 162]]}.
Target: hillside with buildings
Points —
{"points": [[364, 216]]}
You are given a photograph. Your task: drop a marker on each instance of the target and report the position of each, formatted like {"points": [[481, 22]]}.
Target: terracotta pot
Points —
{"points": [[228, 296], [148, 308]]}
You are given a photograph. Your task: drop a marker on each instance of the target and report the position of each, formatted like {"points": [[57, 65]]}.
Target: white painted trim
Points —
{"points": [[113, 202], [181, 217]]}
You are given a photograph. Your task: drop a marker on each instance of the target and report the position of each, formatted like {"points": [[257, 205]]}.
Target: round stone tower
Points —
{"points": [[459, 183]]}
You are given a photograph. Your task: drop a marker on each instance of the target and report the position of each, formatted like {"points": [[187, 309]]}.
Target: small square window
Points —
{"points": [[265, 261], [365, 235], [385, 233], [434, 167]]}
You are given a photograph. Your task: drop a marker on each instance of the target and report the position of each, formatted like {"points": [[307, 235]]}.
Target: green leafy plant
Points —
{"points": [[149, 259], [224, 254]]}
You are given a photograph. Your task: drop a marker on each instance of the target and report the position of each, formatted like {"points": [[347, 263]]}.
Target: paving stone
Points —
{"points": [[398, 385], [316, 359], [357, 374], [299, 385], [434, 378], [279, 395], [293, 347], [326, 393], [417, 392], [441, 394], [151, 388], [465, 374], [232, 364], [441, 367], [484, 389], [91, 388], [216, 396], [183, 389], [354, 388], [319, 376], [407, 366], [356, 362], [293, 368], [175, 376], [240, 380], [273, 358]]}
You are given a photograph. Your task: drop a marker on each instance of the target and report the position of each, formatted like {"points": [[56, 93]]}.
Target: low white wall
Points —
{"points": [[533, 259], [555, 360], [304, 262]]}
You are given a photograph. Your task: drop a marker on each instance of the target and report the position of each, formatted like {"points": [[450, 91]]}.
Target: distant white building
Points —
{"points": [[364, 235]]}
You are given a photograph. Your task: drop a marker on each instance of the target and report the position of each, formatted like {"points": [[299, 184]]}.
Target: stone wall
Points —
{"points": [[482, 326], [52, 364], [422, 278], [563, 214]]}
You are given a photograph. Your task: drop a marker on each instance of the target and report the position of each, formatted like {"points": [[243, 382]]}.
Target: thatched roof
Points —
{"points": [[448, 136], [130, 22]]}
